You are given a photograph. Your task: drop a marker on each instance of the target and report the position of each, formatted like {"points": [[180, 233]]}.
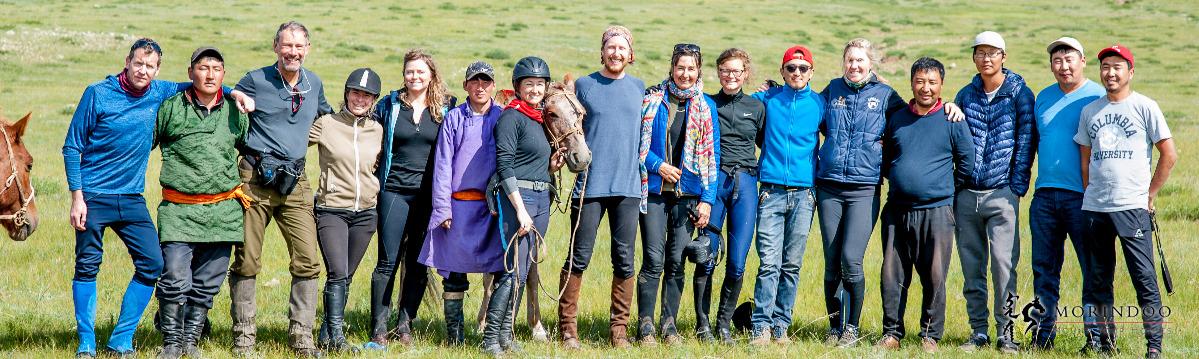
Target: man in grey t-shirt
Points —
{"points": [[1116, 134]]}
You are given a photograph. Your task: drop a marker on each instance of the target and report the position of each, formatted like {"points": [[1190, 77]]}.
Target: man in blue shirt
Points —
{"points": [[1056, 209], [105, 154], [785, 204]]}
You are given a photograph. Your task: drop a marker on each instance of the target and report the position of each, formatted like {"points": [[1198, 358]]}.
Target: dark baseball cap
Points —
{"points": [[480, 68], [206, 51]]}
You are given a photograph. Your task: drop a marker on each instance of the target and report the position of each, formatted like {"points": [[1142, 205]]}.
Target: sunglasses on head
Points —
{"points": [[686, 49], [143, 42], [800, 68]]}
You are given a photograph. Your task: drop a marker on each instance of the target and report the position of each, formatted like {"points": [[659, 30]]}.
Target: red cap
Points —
{"points": [[798, 52], [1117, 50]]}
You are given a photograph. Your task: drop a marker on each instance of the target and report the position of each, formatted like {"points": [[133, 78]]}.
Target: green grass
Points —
{"points": [[51, 50]]}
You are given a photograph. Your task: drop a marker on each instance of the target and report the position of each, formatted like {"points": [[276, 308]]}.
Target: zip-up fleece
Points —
{"points": [[349, 149], [790, 136]]}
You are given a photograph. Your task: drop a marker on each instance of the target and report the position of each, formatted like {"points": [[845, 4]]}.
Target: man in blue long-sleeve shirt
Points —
{"points": [[105, 153], [925, 160]]}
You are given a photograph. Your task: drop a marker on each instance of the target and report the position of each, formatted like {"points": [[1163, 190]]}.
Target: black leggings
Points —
{"points": [[403, 217], [343, 236]]}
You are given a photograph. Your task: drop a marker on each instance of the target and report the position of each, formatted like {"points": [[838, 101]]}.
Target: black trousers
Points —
{"points": [[343, 236], [916, 241], [403, 217], [1135, 230], [665, 231], [623, 213], [194, 272]]}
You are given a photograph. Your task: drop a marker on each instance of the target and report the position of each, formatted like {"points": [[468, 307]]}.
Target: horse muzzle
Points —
{"points": [[578, 161]]}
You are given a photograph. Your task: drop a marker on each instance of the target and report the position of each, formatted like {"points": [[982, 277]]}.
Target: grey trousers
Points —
{"points": [[987, 230]]}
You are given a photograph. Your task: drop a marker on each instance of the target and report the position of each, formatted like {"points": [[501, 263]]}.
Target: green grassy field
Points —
{"points": [[51, 50]]}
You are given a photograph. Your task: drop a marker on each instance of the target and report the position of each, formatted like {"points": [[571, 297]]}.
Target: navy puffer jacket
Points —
{"points": [[1002, 128], [852, 126]]}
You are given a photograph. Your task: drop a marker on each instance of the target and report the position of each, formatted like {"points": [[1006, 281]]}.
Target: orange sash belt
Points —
{"points": [[468, 195], [237, 193]]}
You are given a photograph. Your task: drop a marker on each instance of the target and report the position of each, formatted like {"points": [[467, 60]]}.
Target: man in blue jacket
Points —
{"points": [[999, 110], [1056, 209], [785, 204]]}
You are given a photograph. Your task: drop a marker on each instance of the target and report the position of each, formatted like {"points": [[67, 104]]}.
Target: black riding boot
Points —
{"points": [[380, 308], [729, 291], [335, 323], [507, 336], [454, 333], [702, 285], [170, 322], [193, 327], [498, 308]]}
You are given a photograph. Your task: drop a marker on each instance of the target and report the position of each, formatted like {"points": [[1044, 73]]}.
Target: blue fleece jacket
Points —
{"points": [[110, 136], [790, 136], [689, 182]]}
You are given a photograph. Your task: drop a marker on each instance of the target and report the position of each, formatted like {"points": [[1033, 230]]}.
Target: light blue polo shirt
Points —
{"points": [[1058, 164]]}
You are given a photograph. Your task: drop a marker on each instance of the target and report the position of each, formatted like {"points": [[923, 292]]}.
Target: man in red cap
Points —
{"points": [[785, 203], [1116, 135]]}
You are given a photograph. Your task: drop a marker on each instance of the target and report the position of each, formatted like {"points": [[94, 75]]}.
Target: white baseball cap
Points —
{"points": [[1067, 41], [989, 38]]}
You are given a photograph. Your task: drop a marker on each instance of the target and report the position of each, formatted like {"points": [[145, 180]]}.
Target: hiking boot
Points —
{"points": [[929, 345], [888, 342], [832, 337], [761, 338], [781, 337], [849, 337], [646, 332], [672, 339], [976, 342]]}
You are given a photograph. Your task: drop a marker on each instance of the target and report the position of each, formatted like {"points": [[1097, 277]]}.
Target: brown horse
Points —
{"points": [[18, 213]]}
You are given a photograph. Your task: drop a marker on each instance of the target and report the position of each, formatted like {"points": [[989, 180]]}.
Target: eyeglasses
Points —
{"points": [[686, 49], [143, 42], [800, 68], [727, 72], [987, 55]]}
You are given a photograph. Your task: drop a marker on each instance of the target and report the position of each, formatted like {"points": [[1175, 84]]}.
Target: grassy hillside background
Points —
{"points": [[51, 50]]}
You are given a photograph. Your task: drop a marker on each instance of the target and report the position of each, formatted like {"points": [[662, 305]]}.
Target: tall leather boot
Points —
{"points": [[622, 304], [301, 314], [507, 335], [702, 285], [194, 317], [335, 324], [380, 311], [242, 308], [170, 323], [454, 332], [729, 291], [498, 308], [568, 308]]}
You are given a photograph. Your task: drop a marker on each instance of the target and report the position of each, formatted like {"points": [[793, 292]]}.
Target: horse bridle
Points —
{"points": [[21, 217], [556, 139]]}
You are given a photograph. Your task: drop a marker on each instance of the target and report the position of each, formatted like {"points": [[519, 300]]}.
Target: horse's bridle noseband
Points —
{"points": [[556, 139], [21, 217]]}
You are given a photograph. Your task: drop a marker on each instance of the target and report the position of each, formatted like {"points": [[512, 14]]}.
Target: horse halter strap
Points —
{"points": [[555, 138], [21, 216]]}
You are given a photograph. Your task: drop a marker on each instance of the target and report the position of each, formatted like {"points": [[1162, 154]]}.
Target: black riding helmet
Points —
{"points": [[531, 66], [364, 79]]}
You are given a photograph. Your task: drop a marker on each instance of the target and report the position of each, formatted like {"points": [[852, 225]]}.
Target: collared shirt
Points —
{"points": [[274, 127]]}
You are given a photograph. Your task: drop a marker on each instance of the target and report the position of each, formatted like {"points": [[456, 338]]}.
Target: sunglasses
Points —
{"points": [[297, 99], [143, 42], [800, 68], [686, 49]]}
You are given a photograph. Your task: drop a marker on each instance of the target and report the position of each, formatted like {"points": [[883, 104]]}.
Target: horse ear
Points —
{"points": [[569, 82], [19, 127]]}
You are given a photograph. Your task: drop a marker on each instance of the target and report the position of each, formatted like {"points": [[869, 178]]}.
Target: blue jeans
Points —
{"points": [[784, 220], [1053, 214], [126, 214], [737, 198]]}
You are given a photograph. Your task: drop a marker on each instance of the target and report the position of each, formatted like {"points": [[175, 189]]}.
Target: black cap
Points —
{"points": [[206, 51], [480, 68], [364, 79]]}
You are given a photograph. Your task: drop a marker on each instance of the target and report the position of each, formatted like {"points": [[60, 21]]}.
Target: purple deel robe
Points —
{"points": [[464, 160]]}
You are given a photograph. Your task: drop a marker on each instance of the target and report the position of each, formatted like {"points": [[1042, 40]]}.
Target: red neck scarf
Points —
{"points": [[128, 87], [936, 107], [525, 108]]}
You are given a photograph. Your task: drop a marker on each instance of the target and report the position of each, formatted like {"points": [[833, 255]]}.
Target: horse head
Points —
{"points": [[564, 123], [18, 213]]}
